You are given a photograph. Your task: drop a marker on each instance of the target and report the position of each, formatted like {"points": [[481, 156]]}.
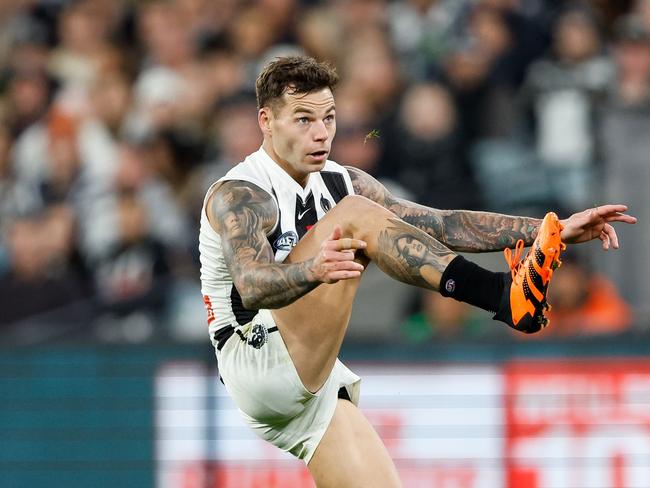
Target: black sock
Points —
{"points": [[468, 282]]}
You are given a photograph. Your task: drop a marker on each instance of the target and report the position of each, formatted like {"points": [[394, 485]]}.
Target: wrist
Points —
{"points": [[309, 271]]}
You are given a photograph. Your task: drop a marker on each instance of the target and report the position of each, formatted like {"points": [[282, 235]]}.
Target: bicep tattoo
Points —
{"points": [[245, 214]]}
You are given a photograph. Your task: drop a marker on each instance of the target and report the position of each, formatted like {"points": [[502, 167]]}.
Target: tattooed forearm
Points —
{"points": [[275, 285], [411, 256], [460, 230], [243, 214], [484, 231]]}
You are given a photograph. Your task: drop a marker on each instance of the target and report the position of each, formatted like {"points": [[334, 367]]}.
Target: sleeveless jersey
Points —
{"points": [[298, 209]]}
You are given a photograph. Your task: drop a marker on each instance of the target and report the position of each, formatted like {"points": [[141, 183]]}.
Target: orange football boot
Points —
{"points": [[529, 278]]}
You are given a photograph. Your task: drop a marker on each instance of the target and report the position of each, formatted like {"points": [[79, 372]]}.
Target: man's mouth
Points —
{"points": [[318, 154]]}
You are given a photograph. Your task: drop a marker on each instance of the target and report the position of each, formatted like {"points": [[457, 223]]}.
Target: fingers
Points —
{"points": [[609, 237], [344, 266], [603, 237], [350, 243], [347, 255], [603, 210], [345, 243], [336, 242], [612, 238], [343, 275], [342, 270], [615, 213], [619, 217], [335, 261]]}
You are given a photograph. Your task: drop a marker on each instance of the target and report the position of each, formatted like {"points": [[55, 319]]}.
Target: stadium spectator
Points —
{"points": [[16, 199], [423, 32], [320, 34], [45, 272], [426, 150], [560, 96], [28, 94], [83, 42]]}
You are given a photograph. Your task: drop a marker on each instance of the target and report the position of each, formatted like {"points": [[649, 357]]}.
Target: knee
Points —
{"points": [[357, 212], [360, 207]]}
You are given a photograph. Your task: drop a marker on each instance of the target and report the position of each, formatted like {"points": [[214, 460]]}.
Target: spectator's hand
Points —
{"points": [[595, 223], [335, 260]]}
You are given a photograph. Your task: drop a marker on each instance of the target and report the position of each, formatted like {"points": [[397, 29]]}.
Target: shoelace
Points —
{"points": [[514, 258]]}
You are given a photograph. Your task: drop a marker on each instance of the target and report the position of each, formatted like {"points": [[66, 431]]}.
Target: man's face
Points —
{"points": [[299, 130]]}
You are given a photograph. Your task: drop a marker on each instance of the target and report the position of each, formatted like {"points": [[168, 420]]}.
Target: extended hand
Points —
{"points": [[595, 223], [335, 260]]}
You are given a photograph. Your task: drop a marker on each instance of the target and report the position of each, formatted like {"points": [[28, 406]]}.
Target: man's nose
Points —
{"points": [[320, 131]]}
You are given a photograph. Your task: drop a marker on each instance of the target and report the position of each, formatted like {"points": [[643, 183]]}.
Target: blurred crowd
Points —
{"points": [[116, 115]]}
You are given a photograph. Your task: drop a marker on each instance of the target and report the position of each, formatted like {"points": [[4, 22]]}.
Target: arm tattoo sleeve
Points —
{"points": [[460, 230], [243, 214]]}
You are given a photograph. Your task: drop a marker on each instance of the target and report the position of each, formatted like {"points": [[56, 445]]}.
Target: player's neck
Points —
{"points": [[300, 178]]}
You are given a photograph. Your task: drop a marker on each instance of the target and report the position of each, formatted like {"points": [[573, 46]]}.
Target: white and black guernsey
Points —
{"points": [[298, 209]]}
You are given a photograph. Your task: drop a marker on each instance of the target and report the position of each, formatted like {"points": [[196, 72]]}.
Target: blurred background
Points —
{"points": [[117, 115]]}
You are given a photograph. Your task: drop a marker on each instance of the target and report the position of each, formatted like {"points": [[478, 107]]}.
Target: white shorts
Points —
{"points": [[262, 380]]}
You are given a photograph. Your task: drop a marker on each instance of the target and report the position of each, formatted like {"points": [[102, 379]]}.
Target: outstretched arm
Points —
{"points": [[459, 230], [242, 214], [469, 231]]}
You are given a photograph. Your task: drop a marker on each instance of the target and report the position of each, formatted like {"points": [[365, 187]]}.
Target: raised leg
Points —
{"points": [[314, 325]]}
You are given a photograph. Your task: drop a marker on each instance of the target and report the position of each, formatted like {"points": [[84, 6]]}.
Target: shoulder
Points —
{"points": [[234, 199], [238, 193], [252, 169]]}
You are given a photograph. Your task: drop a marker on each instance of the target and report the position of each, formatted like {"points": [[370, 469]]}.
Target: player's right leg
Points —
{"points": [[351, 454], [314, 325]]}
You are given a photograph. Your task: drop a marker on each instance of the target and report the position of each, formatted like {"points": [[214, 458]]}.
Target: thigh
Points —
{"points": [[351, 454], [313, 326]]}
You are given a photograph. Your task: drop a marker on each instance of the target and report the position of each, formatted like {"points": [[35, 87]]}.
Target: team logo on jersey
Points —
{"points": [[325, 204], [258, 336], [286, 241]]}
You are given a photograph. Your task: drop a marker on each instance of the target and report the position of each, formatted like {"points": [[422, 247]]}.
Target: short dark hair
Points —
{"points": [[300, 74]]}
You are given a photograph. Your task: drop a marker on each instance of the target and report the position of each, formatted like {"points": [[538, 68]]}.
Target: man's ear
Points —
{"points": [[264, 120]]}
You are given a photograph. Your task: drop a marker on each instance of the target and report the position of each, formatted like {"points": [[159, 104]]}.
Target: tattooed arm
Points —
{"points": [[460, 230], [242, 214]]}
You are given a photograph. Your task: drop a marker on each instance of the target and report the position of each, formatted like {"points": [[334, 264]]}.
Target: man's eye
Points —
{"points": [[303, 120], [329, 118]]}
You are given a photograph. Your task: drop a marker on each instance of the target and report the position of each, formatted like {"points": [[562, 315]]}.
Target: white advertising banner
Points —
{"points": [[442, 425]]}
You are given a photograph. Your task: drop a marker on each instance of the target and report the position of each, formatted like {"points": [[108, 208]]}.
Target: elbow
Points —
{"points": [[250, 302], [257, 300], [249, 299]]}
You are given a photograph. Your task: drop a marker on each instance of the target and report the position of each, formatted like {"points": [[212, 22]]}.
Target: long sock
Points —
{"points": [[467, 282]]}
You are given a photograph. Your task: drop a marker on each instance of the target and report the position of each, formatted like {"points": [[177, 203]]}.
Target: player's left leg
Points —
{"points": [[351, 454]]}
